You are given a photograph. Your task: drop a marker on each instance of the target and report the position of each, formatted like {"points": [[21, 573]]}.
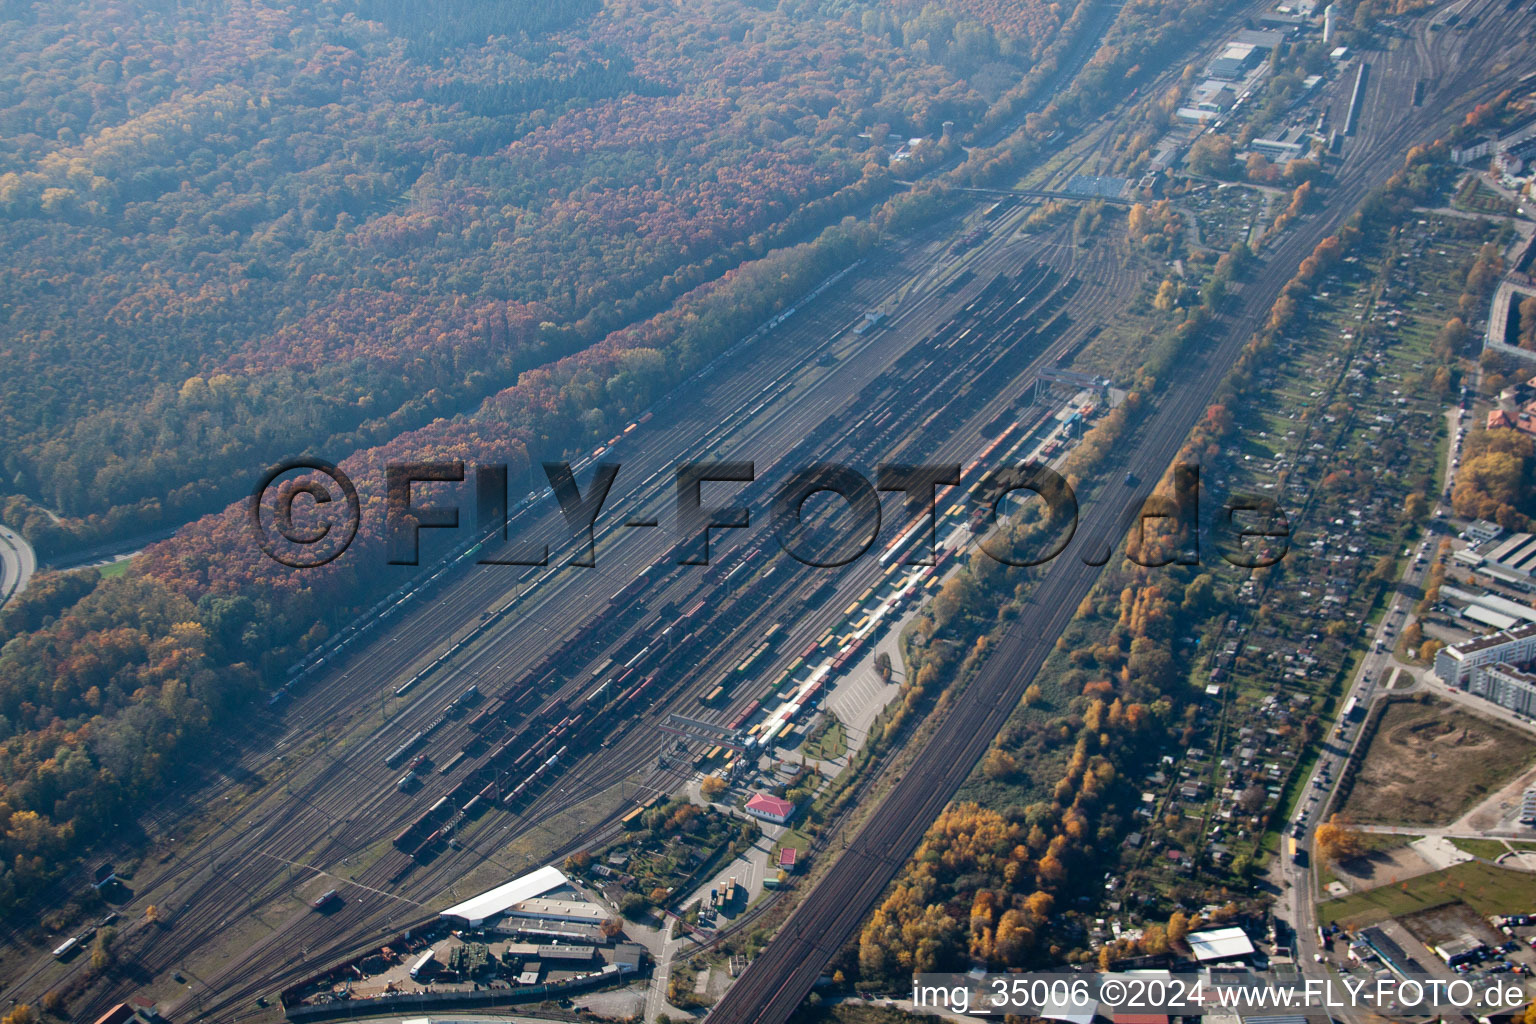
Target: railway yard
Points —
{"points": [[501, 717], [328, 793]]}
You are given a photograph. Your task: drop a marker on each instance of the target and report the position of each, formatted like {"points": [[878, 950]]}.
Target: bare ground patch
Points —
{"points": [[1448, 923], [1382, 867], [1430, 761]]}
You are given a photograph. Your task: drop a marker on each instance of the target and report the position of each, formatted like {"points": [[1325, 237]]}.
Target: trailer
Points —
{"points": [[423, 963]]}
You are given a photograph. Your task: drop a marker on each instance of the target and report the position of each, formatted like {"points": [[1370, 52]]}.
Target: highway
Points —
{"points": [[17, 564], [1460, 67]]}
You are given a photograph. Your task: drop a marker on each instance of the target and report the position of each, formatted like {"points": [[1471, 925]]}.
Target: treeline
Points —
{"points": [[969, 35], [988, 883], [277, 235]]}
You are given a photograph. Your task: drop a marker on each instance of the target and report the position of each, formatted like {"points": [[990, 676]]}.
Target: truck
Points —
{"points": [[423, 964], [1295, 851]]}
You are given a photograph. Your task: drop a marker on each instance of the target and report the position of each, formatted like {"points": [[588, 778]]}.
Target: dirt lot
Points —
{"points": [[1465, 756], [1447, 923], [1382, 867]]}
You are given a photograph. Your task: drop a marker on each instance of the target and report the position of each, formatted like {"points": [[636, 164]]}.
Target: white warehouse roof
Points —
{"points": [[1489, 617], [1492, 602], [1220, 944], [500, 899]]}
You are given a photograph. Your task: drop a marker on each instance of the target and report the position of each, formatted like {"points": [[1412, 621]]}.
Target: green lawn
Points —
{"points": [[1489, 849], [830, 744], [114, 569], [793, 839], [1483, 887]]}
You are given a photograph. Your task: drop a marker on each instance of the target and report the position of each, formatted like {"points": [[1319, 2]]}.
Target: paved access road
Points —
{"points": [[17, 564]]}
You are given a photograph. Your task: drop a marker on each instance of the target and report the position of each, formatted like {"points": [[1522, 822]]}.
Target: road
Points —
{"points": [[1297, 883], [1295, 904], [17, 564], [1461, 68]]}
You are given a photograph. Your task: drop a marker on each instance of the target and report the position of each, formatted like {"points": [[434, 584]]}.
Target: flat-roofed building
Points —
{"points": [[567, 954], [1518, 611], [1455, 664], [1484, 530], [1220, 944], [549, 909], [1506, 686], [1459, 951], [1492, 619]]}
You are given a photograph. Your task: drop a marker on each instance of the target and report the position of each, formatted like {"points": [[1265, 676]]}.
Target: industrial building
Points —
{"points": [[547, 909], [1516, 554], [1394, 956], [1235, 61], [1510, 613], [135, 1011], [477, 910], [1465, 949], [1216, 944]]}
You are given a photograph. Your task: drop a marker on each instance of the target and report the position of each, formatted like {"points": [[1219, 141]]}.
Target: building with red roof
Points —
{"points": [[770, 808]]}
